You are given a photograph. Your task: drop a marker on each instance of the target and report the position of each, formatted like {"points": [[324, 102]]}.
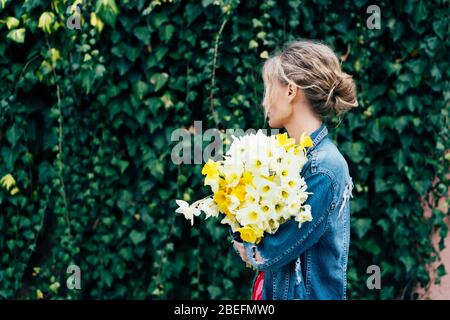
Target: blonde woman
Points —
{"points": [[304, 86]]}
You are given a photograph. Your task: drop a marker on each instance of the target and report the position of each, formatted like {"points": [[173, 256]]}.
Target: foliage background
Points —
{"points": [[86, 117]]}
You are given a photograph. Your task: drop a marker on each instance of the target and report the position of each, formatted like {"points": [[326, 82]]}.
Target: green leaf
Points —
{"points": [[166, 33], [143, 34], [362, 225], [355, 151], [107, 11], [137, 237], [125, 200], [193, 10], [126, 253], [408, 261], [159, 80], [13, 134], [12, 22], [141, 89], [214, 291], [381, 185], [17, 35], [46, 21]]}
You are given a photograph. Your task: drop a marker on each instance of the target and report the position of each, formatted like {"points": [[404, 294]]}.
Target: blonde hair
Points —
{"points": [[314, 68]]}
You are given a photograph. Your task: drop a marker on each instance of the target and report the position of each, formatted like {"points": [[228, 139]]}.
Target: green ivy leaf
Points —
{"points": [[107, 11], [166, 33], [159, 80], [141, 89], [362, 225], [13, 134], [137, 237], [17, 35], [12, 22]]}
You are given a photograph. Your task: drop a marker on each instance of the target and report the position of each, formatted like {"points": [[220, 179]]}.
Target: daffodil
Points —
{"points": [[257, 186], [231, 221], [258, 166], [284, 141], [249, 215], [273, 225], [239, 192], [232, 174], [306, 141], [233, 202], [209, 207], [250, 234], [210, 168], [188, 211], [304, 215]]}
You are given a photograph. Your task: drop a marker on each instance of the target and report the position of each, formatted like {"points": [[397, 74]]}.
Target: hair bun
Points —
{"points": [[342, 95]]}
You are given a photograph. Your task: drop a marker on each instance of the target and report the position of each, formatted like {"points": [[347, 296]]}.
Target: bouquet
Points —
{"points": [[256, 186]]}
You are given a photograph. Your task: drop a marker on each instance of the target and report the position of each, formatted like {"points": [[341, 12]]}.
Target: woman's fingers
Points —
{"points": [[258, 257], [240, 248]]}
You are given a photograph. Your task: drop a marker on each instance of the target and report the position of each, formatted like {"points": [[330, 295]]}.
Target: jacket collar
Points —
{"points": [[317, 136]]}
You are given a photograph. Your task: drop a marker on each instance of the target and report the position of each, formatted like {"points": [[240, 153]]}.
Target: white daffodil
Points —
{"points": [[188, 211], [249, 215], [273, 226], [293, 208], [213, 183], [232, 174], [209, 207], [232, 222], [257, 166], [267, 208], [266, 188], [233, 202], [304, 215], [291, 182], [251, 195]]}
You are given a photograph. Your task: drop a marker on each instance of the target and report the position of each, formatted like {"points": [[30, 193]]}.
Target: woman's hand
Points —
{"points": [[241, 250]]}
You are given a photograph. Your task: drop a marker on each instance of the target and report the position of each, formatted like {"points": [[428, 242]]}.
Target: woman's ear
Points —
{"points": [[292, 92]]}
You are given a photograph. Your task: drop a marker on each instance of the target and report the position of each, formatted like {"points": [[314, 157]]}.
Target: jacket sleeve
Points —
{"points": [[290, 241]]}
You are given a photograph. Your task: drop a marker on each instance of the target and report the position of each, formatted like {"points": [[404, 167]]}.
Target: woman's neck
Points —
{"points": [[299, 123]]}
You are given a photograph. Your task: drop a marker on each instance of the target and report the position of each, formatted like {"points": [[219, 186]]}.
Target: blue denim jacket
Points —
{"points": [[311, 262]]}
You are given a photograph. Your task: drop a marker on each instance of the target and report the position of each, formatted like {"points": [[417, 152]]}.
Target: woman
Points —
{"points": [[304, 86]]}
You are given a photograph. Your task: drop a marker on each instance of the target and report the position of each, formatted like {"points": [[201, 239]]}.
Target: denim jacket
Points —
{"points": [[310, 262]]}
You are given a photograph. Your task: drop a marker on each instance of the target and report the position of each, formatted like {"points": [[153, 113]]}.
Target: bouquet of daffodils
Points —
{"points": [[257, 186]]}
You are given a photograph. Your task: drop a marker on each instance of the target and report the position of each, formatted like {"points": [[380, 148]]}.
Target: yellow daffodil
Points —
{"points": [[284, 141], [250, 234], [210, 168], [220, 197], [247, 177], [239, 192], [306, 141]]}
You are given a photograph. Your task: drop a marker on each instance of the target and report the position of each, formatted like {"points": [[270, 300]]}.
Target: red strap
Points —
{"points": [[258, 286]]}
